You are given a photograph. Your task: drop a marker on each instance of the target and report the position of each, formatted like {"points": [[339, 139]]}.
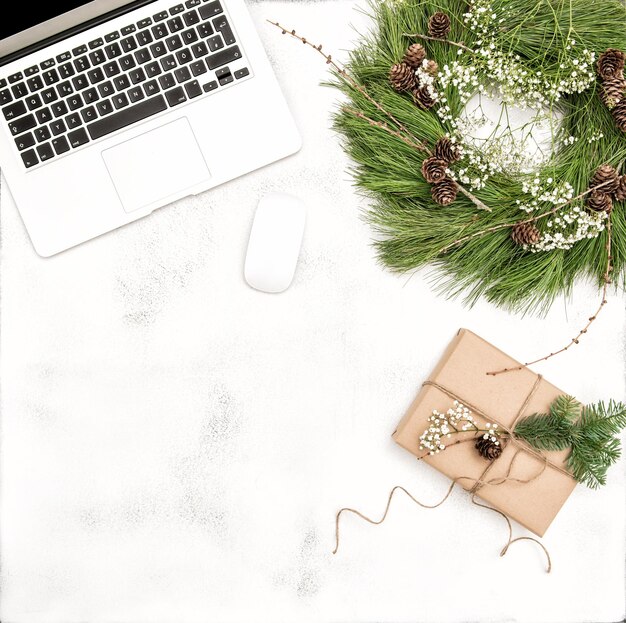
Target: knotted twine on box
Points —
{"points": [[479, 482]]}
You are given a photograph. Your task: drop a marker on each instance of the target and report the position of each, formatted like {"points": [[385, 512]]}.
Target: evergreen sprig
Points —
{"points": [[590, 431]]}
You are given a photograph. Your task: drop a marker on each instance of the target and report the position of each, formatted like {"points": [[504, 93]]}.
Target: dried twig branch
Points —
{"points": [[428, 38], [361, 89], [343, 73], [575, 340]]}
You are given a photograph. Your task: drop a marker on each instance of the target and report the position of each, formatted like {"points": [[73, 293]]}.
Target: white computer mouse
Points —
{"points": [[275, 241]]}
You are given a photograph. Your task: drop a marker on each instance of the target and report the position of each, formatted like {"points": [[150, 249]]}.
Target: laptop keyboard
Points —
{"points": [[115, 81]]}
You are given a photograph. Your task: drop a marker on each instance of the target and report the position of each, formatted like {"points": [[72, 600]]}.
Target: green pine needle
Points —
{"points": [[590, 431]]}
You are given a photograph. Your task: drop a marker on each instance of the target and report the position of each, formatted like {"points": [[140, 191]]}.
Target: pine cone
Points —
{"points": [[619, 115], [607, 175], [423, 98], [612, 91], [444, 192], [434, 170], [446, 150], [414, 55], [525, 233], [439, 25], [402, 77], [611, 63], [620, 192], [490, 450], [599, 201]]}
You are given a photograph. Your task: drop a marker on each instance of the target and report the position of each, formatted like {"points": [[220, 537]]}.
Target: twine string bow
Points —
{"points": [[481, 481]]}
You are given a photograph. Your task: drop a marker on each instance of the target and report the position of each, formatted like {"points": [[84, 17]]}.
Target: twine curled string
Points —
{"points": [[479, 482]]}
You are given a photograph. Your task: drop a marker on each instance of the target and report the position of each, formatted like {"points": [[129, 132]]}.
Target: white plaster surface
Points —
{"points": [[175, 445]]}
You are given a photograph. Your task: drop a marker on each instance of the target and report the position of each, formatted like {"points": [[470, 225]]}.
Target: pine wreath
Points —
{"points": [[563, 56]]}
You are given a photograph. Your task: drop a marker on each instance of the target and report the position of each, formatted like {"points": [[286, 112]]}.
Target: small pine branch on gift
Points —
{"points": [[590, 431]]}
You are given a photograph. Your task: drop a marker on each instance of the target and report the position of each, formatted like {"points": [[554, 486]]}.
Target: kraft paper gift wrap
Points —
{"points": [[463, 371]]}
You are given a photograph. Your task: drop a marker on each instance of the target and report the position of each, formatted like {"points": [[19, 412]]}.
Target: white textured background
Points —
{"points": [[175, 444]]}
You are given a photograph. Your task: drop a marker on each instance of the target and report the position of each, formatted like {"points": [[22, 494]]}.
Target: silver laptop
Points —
{"points": [[114, 108]]}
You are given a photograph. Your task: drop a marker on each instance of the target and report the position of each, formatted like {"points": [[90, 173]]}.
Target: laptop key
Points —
{"points": [[15, 77], [127, 62], [182, 74], [198, 68], [137, 75], [189, 36], [167, 81], [73, 121], [45, 152], [199, 50], [29, 158], [111, 69], [159, 31], [175, 10], [174, 43], [143, 56], [33, 102], [191, 18], [158, 49], [159, 17], [113, 50], [49, 96], [74, 102], [112, 36], [168, 63], [95, 75], [210, 86], [80, 82], [90, 96], [81, 49], [14, 110], [175, 24], [120, 101], [210, 10], [96, 43], [223, 57], [42, 134], [205, 30], [184, 56], [151, 88], [191, 3], [129, 44], [35, 84], [193, 89], [19, 90], [5, 97], [215, 43], [25, 141], [224, 76], [97, 57], [221, 25], [60, 145], [47, 64], [78, 137], [242, 73], [127, 117], [51, 76], [59, 109], [65, 88], [144, 38], [66, 70], [106, 89], [128, 29], [152, 70], [89, 114], [175, 96], [121, 83], [66, 56], [44, 115], [82, 64], [144, 23], [135, 94], [29, 71], [58, 127], [104, 107]]}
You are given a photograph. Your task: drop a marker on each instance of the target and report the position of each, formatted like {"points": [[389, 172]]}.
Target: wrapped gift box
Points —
{"points": [[462, 371]]}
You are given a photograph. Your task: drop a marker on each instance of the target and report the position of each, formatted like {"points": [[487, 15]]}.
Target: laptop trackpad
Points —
{"points": [[156, 165]]}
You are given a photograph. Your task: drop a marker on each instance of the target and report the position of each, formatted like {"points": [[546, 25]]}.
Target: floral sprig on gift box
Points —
{"points": [[590, 432]]}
